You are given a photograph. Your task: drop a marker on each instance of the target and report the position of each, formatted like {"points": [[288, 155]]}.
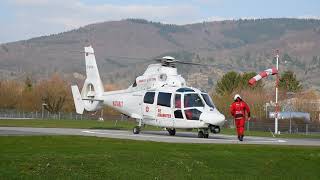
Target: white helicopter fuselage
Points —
{"points": [[159, 97]]}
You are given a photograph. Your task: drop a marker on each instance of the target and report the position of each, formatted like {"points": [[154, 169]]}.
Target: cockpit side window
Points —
{"points": [[192, 100], [149, 97], [208, 100], [164, 99]]}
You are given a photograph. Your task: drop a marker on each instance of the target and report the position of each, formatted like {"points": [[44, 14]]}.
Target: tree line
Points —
{"points": [[52, 94]]}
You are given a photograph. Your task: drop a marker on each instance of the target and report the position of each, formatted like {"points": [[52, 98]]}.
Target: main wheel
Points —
{"points": [[200, 134], [136, 130], [206, 135], [172, 132]]}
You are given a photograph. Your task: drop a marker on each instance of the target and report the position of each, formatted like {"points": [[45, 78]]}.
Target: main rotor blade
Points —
{"points": [[118, 57], [196, 64], [161, 60], [130, 58]]}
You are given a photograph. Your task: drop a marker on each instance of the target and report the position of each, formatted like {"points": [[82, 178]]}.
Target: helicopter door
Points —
{"points": [[178, 116], [164, 112], [148, 107]]}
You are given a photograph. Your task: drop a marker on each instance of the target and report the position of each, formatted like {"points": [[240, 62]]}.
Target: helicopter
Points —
{"points": [[159, 97]]}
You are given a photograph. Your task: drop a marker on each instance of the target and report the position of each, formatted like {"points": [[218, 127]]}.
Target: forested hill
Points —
{"points": [[241, 45]]}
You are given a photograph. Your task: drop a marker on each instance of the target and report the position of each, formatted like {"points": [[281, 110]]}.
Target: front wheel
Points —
{"points": [[136, 130], [214, 129], [206, 135]]}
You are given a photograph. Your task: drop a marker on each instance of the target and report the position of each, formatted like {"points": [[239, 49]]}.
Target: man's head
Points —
{"points": [[237, 97]]}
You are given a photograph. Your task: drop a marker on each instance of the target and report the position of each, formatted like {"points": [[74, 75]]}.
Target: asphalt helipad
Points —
{"points": [[158, 136]]}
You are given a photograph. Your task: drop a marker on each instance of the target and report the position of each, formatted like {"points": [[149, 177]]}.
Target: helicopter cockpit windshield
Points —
{"points": [[208, 100], [193, 103]]}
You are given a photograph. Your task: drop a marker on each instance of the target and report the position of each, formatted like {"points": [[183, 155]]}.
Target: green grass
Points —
{"points": [[269, 134], [123, 125], [87, 124], [76, 157]]}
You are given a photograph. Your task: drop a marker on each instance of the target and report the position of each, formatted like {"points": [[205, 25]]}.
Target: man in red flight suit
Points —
{"points": [[238, 110]]}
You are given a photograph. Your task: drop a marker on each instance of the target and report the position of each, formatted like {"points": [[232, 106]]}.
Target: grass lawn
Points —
{"points": [[77, 157], [268, 134], [125, 125], [87, 124]]}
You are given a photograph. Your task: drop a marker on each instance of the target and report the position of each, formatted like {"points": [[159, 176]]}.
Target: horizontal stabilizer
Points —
{"points": [[88, 99], [77, 99]]}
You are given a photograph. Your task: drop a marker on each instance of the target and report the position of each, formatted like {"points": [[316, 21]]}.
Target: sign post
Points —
{"points": [[277, 86]]}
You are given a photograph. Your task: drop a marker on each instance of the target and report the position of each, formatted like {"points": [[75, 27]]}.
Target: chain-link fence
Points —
{"points": [[15, 114], [285, 126]]}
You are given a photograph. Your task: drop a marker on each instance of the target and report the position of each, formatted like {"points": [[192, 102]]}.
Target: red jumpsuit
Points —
{"points": [[238, 110]]}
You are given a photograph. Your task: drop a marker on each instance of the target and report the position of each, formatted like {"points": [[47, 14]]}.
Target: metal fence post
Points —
{"points": [[290, 126]]}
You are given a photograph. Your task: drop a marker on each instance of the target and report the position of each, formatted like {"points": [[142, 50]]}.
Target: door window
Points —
{"points": [[192, 114], [164, 99], [177, 101], [192, 100], [149, 97], [178, 114]]}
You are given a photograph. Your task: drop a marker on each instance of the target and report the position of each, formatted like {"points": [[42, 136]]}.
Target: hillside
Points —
{"points": [[242, 45]]}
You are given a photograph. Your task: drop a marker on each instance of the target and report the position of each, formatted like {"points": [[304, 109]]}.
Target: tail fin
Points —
{"points": [[92, 71], [93, 87], [77, 99], [91, 94], [93, 81]]}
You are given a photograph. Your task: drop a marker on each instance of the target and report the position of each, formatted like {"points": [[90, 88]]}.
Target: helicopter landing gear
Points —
{"points": [[200, 134], [203, 133], [206, 133], [172, 131], [214, 129], [137, 129]]}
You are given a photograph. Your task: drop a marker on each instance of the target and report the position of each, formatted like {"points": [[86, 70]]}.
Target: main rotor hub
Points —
{"points": [[168, 61]]}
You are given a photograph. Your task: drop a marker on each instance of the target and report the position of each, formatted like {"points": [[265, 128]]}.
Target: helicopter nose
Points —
{"points": [[214, 118]]}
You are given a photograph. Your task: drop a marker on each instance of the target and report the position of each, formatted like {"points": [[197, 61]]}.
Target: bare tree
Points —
{"points": [[54, 92], [10, 94]]}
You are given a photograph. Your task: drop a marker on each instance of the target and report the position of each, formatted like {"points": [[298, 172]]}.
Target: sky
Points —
{"points": [[24, 19]]}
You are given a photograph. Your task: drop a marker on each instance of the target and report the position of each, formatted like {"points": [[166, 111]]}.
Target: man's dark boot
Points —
{"points": [[241, 138]]}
